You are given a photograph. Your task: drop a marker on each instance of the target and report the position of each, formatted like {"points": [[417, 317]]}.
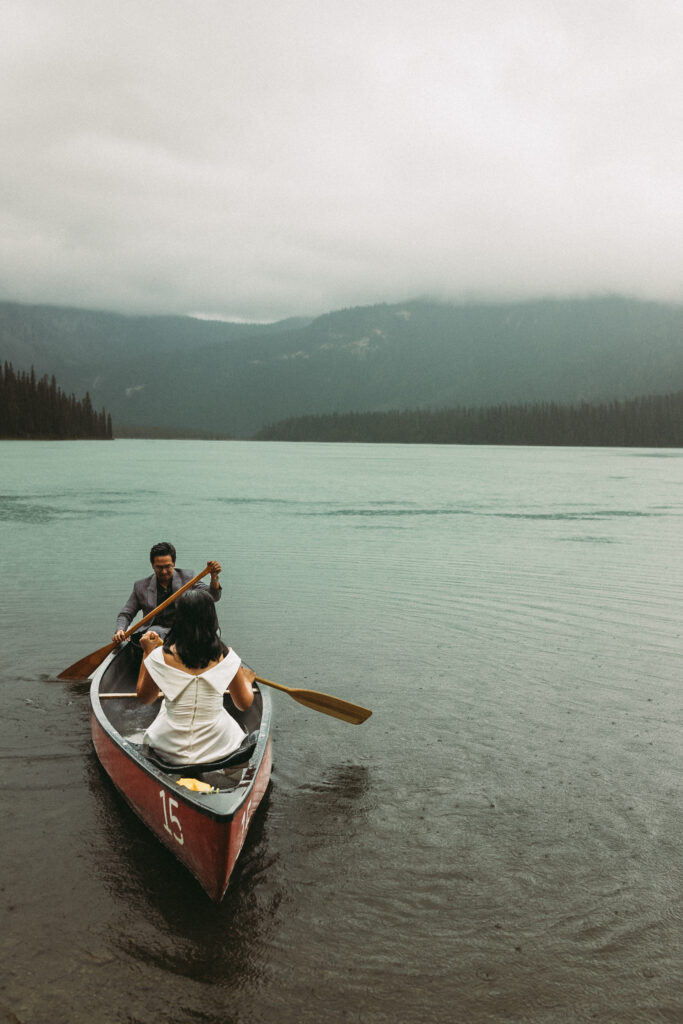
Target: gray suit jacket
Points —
{"points": [[144, 596]]}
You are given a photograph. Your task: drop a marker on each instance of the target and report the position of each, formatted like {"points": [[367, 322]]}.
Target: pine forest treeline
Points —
{"points": [[33, 409], [647, 422]]}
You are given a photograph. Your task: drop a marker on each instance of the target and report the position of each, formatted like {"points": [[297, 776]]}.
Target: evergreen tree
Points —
{"points": [[37, 409]]}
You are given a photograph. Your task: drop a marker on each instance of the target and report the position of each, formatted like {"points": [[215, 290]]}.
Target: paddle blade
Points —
{"points": [[86, 666], [334, 706]]}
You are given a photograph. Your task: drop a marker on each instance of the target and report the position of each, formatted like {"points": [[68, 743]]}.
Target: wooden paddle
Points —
{"points": [[334, 706], [323, 702], [86, 666]]}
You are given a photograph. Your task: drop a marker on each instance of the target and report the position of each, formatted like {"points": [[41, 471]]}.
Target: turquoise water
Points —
{"points": [[500, 841]]}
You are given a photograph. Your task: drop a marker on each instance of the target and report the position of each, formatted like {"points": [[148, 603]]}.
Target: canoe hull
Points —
{"points": [[207, 846]]}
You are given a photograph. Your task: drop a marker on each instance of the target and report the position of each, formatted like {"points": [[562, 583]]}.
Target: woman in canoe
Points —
{"points": [[192, 669]]}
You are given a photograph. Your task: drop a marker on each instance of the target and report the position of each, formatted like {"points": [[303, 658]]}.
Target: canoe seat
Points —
{"points": [[243, 753]]}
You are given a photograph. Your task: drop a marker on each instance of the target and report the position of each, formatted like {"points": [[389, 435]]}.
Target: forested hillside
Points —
{"points": [[178, 374]]}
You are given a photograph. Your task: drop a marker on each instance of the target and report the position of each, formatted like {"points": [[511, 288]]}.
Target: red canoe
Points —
{"points": [[204, 830]]}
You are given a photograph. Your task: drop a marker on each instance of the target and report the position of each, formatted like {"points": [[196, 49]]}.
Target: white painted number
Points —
{"points": [[171, 822]]}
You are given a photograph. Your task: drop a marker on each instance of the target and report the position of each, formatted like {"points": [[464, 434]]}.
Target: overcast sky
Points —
{"points": [[264, 158]]}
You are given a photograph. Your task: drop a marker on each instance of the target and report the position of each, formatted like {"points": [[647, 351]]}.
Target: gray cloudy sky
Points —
{"points": [[263, 158]]}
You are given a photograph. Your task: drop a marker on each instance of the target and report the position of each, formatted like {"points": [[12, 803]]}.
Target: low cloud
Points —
{"points": [[254, 161]]}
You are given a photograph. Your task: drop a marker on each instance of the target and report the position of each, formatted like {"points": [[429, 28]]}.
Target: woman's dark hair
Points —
{"points": [[194, 632], [164, 548]]}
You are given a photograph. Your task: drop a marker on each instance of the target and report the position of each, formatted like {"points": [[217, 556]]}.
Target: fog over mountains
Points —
{"points": [[184, 374]]}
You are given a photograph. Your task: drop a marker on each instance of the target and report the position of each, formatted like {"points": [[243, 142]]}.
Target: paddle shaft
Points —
{"points": [[86, 666]]}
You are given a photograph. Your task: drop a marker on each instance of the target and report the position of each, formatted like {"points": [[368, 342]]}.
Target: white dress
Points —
{"points": [[192, 725]]}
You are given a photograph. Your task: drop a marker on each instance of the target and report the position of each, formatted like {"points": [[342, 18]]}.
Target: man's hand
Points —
{"points": [[119, 636], [216, 569]]}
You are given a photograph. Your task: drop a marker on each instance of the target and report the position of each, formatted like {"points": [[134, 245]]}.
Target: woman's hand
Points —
{"points": [[150, 640]]}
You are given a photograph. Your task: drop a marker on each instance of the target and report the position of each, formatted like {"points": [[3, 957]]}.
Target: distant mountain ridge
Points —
{"points": [[181, 373]]}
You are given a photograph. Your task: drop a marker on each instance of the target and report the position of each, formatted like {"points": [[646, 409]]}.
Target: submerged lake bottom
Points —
{"points": [[500, 841]]}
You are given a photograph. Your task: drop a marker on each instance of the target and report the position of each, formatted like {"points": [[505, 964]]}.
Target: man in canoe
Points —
{"points": [[164, 581]]}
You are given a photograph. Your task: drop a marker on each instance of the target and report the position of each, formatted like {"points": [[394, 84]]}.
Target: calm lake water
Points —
{"points": [[501, 841]]}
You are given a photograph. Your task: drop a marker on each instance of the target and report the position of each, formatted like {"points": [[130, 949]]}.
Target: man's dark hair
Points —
{"points": [[163, 549]]}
